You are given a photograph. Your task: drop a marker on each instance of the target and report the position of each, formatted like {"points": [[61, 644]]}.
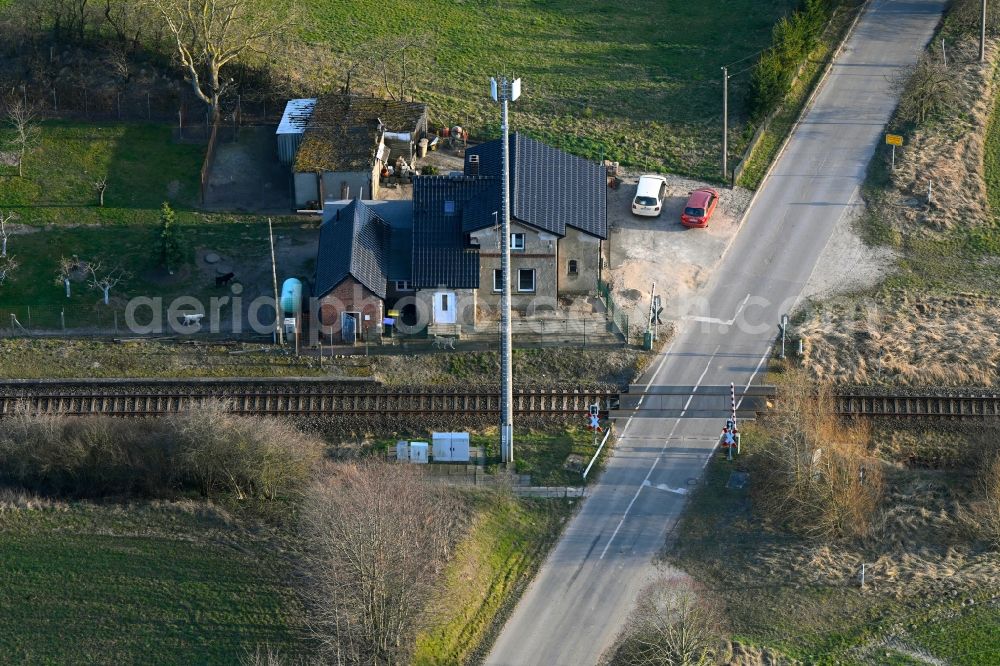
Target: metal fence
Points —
{"points": [[97, 319], [180, 107], [617, 316], [110, 320]]}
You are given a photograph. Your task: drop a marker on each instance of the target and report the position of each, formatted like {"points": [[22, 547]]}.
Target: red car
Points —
{"points": [[699, 207]]}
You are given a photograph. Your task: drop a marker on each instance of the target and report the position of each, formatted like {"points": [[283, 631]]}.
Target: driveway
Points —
{"points": [[660, 249]]}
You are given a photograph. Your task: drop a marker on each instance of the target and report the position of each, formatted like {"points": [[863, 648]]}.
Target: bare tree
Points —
{"points": [[928, 89], [67, 269], [816, 474], [24, 122], [378, 536], [66, 18], [127, 20], [105, 278], [210, 34], [7, 266], [4, 219], [117, 58], [101, 185], [408, 58], [674, 624]]}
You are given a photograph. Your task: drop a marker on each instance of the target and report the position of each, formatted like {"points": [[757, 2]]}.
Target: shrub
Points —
{"points": [[85, 457], [929, 91], [793, 38], [815, 474], [205, 449], [769, 83], [248, 457]]}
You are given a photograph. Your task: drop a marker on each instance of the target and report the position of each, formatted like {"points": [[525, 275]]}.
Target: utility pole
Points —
{"points": [[725, 122], [982, 35], [505, 91], [278, 333]]}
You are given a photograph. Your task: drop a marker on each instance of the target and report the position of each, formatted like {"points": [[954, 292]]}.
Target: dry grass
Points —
{"points": [[923, 327], [987, 507], [947, 150], [920, 543], [906, 339]]}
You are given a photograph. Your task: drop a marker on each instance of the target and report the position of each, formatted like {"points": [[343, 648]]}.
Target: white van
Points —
{"points": [[649, 196]]}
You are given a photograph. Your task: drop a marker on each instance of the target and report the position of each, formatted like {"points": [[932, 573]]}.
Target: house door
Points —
{"points": [[444, 307], [349, 327]]}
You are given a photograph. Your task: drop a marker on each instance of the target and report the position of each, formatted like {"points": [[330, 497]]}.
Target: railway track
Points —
{"points": [[919, 406], [295, 400], [138, 398]]}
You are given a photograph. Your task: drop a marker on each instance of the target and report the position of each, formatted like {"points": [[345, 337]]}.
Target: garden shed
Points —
{"points": [[344, 146], [292, 128]]}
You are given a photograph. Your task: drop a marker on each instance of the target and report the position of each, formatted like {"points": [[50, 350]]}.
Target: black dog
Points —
{"points": [[223, 280]]}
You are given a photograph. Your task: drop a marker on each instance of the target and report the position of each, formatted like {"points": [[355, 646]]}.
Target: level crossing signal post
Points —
{"points": [[730, 433], [594, 420]]}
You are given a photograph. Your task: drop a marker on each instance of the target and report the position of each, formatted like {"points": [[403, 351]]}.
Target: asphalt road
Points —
{"points": [[574, 609]]}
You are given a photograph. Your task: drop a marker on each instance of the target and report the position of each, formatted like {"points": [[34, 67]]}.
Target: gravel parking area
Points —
{"points": [[659, 249]]}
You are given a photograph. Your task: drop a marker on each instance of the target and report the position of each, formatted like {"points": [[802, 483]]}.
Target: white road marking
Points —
{"points": [[698, 383], [645, 482], [755, 371], [663, 360], [716, 320], [676, 491], [629, 508]]}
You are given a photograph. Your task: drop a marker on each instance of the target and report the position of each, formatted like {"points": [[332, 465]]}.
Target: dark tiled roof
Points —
{"points": [[441, 254], [343, 131], [354, 242], [550, 189], [398, 214]]}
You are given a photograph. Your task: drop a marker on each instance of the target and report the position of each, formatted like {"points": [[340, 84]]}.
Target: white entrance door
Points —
{"points": [[444, 307]]}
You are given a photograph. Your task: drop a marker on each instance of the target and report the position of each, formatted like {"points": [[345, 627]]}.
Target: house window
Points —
{"points": [[573, 267], [526, 279], [517, 241], [403, 285], [497, 279], [449, 207]]}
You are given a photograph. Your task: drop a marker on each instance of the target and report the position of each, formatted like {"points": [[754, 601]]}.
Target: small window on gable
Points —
{"points": [[449, 207], [517, 241], [403, 285], [573, 267]]}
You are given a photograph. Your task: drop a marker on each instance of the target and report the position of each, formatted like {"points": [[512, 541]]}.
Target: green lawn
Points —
{"points": [[636, 82], [507, 544], [540, 453], [134, 248], [31, 358], [143, 167], [163, 584], [968, 639]]}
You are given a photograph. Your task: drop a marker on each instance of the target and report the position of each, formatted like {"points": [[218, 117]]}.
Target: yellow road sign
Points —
{"points": [[894, 139]]}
